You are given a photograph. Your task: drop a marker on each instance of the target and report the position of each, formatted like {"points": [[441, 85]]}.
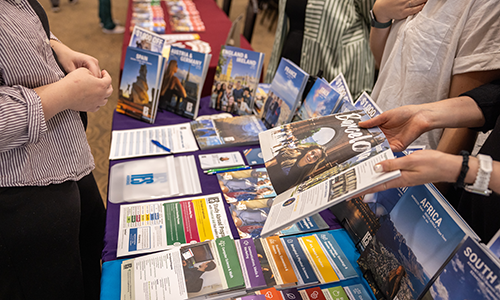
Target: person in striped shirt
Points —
{"points": [[327, 35], [52, 214]]}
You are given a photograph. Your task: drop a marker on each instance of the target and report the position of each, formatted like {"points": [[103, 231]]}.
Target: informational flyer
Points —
{"points": [[156, 140], [157, 276], [153, 226]]}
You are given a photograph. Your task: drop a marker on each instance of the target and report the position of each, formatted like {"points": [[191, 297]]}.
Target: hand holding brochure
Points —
{"points": [[316, 163]]}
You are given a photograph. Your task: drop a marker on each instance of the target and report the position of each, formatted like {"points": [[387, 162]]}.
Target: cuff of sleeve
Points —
{"points": [[476, 63], [35, 116], [53, 37], [487, 98]]}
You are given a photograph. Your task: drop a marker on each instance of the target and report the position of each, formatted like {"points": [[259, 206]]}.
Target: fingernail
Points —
{"points": [[378, 168]]}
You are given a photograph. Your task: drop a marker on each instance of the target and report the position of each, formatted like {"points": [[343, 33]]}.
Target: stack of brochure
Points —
{"points": [[184, 16], [148, 14], [184, 77], [223, 267], [236, 80], [142, 76]]}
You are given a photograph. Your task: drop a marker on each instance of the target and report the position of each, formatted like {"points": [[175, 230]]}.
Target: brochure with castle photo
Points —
{"points": [[236, 79], [183, 80]]}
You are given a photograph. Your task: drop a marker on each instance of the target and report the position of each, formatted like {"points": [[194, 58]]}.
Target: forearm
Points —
{"points": [[452, 113], [53, 98], [378, 38]]}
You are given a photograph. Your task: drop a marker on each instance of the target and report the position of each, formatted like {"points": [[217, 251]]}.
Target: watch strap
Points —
{"points": [[482, 181], [377, 24]]}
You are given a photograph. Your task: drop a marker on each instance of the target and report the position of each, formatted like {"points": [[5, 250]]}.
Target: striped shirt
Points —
{"points": [[34, 152], [336, 40]]}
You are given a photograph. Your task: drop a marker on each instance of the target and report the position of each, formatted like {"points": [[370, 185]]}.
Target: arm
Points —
{"points": [[384, 11], [455, 139], [404, 124], [179, 87], [433, 166]]}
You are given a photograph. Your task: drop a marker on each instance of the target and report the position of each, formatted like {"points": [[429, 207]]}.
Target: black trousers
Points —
{"points": [[51, 239]]}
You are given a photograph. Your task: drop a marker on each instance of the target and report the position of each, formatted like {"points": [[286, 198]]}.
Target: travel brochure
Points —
{"points": [[236, 79], [183, 81], [148, 227]]}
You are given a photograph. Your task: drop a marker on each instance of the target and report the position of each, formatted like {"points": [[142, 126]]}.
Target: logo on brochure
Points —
{"points": [[213, 200], [288, 202], [148, 178]]}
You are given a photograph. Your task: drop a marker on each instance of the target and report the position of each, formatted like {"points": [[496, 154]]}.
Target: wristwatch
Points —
{"points": [[377, 24], [482, 181]]}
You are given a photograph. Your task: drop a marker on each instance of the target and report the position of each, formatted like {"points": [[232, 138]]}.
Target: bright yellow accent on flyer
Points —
{"points": [[320, 262], [202, 220]]}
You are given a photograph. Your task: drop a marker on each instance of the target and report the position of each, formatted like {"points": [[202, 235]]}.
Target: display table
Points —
{"points": [[217, 26]]}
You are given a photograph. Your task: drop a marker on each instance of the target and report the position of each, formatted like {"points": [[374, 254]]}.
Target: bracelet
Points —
{"points": [[465, 168]]}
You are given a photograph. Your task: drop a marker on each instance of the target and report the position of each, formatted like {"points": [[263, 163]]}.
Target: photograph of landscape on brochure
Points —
{"points": [[322, 100], [284, 94], [138, 85], [413, 244], [308, 152]]}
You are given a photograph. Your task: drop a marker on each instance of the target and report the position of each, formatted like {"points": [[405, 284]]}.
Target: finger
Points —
{"points": [[375, 121], [415, 8], [106, 77]]}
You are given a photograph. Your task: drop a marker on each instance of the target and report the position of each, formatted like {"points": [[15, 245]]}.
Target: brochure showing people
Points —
{"points": [[236, 79], [316, 163], [284, 94], [246, 185]]}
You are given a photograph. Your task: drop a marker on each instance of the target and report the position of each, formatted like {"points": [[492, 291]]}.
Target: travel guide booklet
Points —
{"points": [[316, 163], [153, 226], [413, 244], [236, 78], [227, 132], [145, 39], [285, 94], [321, 100], [139, 85], [472, 273], [183, 80], [340, 86]]}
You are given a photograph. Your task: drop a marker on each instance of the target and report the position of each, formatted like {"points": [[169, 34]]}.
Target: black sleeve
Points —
{"points": [[487, 98]]}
